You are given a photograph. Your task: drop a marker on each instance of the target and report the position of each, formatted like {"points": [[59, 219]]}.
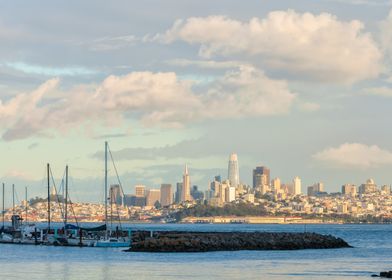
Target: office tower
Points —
{"points": [[153, 196], [296, 186], [196, 194], [218, 178], [116, 195], [349, 189], [166, 194], [230, 194], [214, 185], [140, 191], [368, 187], [316, 189], [261, 170], [178, 194], [222, 191], [260, 180], [186, 186], [233, 171], [276, 184]]}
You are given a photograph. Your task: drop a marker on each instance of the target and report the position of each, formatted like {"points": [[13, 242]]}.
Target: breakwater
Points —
{"points": [[183, 241]]}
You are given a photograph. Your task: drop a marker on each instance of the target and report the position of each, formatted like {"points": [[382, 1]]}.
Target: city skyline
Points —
{"points": [[163, 93]]}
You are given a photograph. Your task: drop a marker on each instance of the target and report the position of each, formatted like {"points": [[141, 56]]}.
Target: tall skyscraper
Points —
{"points": [[116, 195], [296, 186], [233, 171], [261, 170], [166, 194], [178, 194], [186, 186], [140, 191], [153, 196]]}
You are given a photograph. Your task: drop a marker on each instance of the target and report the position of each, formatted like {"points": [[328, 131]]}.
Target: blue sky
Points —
{"points": [[303, 87]]}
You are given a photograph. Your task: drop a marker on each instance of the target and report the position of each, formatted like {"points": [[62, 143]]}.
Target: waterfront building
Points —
{"points": [[186, 186], [140, 190], [368, 187], [296, 186], [233, 171], [261, 170], [166, 194], [153, 196]]}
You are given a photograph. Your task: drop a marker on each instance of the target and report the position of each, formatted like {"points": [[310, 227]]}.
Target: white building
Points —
{"points": [[296, 186]]}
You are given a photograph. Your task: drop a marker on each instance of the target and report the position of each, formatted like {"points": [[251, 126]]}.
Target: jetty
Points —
{"points": [[183, 241]]}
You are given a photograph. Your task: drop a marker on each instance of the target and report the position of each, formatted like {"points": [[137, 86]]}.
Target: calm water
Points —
{"points": [[372, 253]]}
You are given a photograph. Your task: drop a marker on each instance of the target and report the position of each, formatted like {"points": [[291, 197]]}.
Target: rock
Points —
{"points": [[386, 274], [176, 241]]}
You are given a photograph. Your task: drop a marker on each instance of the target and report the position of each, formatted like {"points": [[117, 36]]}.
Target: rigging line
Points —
{"points": [[57, 196], [70, 201], [118, 177]]}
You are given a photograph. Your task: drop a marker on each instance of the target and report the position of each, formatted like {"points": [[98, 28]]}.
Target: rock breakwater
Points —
{"points": [[181, 241]]}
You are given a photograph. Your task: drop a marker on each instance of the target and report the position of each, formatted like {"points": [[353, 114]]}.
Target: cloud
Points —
{"points": [[386, 35], [49, 71], [309, 106], [209, 64], [319, 47], [355, 155], [110, 43], [152, 98], [380, 91]]}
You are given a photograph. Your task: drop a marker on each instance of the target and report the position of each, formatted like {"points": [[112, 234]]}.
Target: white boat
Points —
{"points": [[112, 243]]}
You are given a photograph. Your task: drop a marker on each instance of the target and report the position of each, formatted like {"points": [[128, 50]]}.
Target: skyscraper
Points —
{"points": [[153, 196], [261, 170], [116, 195], [178, 194], [140, 190], [186, 186], [233, 171], [296, 186], [166, 194]]}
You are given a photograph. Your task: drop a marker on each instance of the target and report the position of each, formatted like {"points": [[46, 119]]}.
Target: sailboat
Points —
{"points": [[109, 240]]}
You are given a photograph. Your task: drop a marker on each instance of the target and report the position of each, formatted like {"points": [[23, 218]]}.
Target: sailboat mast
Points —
{"points": [[3, 204], [48, 171], [66, 196], [13, 199], [106, 184], [26, 204]]}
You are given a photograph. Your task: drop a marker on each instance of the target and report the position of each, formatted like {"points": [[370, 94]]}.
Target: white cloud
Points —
{"points": [[355, 155], [386, 35], [212, 64], [319, 47], [153, 98]]}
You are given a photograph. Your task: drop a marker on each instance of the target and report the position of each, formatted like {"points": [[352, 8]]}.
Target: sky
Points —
{"points": [[303, 87]]}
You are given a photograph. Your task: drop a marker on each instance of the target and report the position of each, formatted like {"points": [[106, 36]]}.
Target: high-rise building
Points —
{"points": [[230, 194], [186, 186], [296, 185], [116, 195], [276, 184], [368, 187], [196, 194], [166, 194], [316, 189], [140, 191], [178, 195], [261, 170], [222, 191], [233, 171], [218, 178], [153, 196], [349, 189]]}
